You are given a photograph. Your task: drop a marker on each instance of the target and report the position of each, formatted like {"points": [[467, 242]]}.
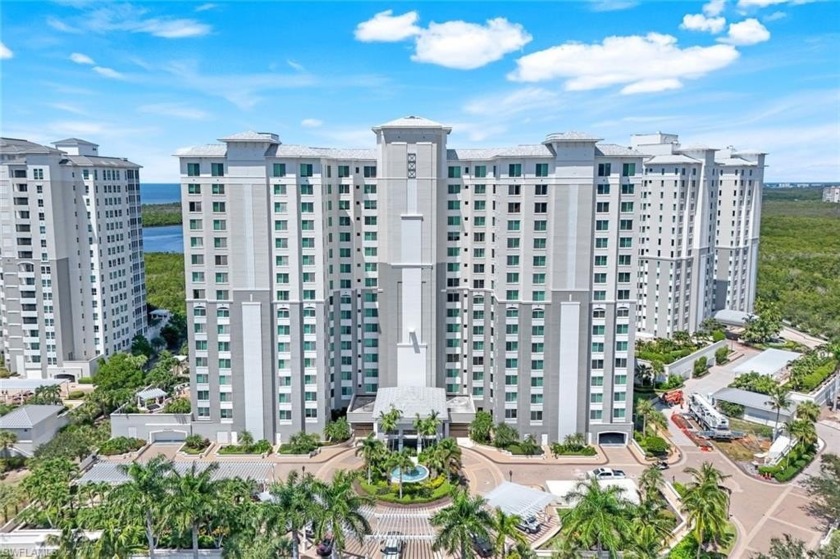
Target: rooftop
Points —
{"points": [[571, 136], [729, 317], [750, 399], [675, 159], [768, 362], [412, 121], [99, 161], [8, 384], [110, 472], [16, 146], [74, 142], [26, 417], [251, 136], [412, 400]]}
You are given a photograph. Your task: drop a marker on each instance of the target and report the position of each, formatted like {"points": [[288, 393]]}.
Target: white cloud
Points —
{"points": [[122, 17], [205, 7], [611, 5], [5, 52], [765, 3], [520, 100], [66, 107], [775, 16], [173, 28], [311, 123], [296, 65], [714, 8], [80, 58], [652, 86], [388, 28], [465, 46], [108, 73], [747, 32], [176, 110], [625, 61], [452, 44], [699, 22]]}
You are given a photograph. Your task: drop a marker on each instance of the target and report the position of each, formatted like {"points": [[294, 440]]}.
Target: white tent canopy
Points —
{"points": [[517, 499]]}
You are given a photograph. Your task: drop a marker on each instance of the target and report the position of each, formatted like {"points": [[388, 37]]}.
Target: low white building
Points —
{"points": [[33, 426]]}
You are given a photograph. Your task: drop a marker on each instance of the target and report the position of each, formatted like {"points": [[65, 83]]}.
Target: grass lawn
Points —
{"points": [[757, 429]]}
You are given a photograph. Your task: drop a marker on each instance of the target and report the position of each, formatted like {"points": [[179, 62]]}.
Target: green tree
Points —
{"points": [[373, 451], [340, 510], [49, 395], [402, 461], [388, 422], [529, 446], [767, 323], [119, 371], [779, 400], [338, 430], [245, 440], [447, 454], [644, 409], [824, 488], [565, 548], [295, 499], [141, 346], [49, 485], [787, 547], [464, 517], [809, 411], [193, 498], [7, 441], [144, 494], [178, 405], [481, 427], [503, 527], [600, 517], [504, 435], [651, 482], [706, 503]]}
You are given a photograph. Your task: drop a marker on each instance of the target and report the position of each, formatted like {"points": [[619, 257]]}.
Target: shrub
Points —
{"points": [[722, 355], [730, 409], [718, 335], [76, 395], [196, 444], [504, 435], [177, 405], [653, 444], [754, 382], [337, 431], [300, 443], [672, 382], [85, 380], [121, 445], [701, 366], [481, 427]]}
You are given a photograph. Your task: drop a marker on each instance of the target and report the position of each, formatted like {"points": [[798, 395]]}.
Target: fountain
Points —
{"points": [[416, 474]]}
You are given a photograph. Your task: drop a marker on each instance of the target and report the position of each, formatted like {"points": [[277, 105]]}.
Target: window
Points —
{"points": [[193, 170], [539, 243], [279, 189], [218, 189], [601, 242], [515, 170], [541, 170], [513, 225], [539, 261], [514, 190], [454, 188], [194, 188], [627, 207], [628, 169], [306, 170], [454, 172], [369, 171], [627, 189], [279, 170], [369, 189], [603, 189], [219, 207], [480, 171], [602, 225], [625, 225], [217, 169], [540, 208], [604, 170], [602, 207]]}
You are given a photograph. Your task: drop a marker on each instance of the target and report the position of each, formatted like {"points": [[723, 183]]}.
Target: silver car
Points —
{"points": [[393, 545]]}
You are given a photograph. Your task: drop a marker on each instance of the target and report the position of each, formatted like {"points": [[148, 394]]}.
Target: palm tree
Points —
{"points": [[809, 411], [651, 482], [194, 496], [529, 445], [650, 527], [400, 460], [706, 502], [426, 427], [372, 451], [521, 550], [144, 492], [71, 543], [7, 441], [599, 518], [294, 500], [448, 454], [779, 400], [565, 548], [117, 541], [457, 523], [803, 431], [644, 409], [388, 421], [503, 526], [340, 510], [245, 439]]}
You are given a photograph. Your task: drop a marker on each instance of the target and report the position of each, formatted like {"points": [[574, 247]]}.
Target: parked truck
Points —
{"points": [[706, 414]]}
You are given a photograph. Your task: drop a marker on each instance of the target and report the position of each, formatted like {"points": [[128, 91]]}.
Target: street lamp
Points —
{"points": [[510, 475]]}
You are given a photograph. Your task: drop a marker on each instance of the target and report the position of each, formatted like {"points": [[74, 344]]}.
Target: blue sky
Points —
{"points": [[144, 79]]}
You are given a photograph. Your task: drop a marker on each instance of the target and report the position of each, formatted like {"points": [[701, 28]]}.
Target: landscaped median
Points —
{"points": [[426, 491]]}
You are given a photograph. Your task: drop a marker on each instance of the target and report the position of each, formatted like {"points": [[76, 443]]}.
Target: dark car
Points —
{"points": [[482, 546], [325, 548]]}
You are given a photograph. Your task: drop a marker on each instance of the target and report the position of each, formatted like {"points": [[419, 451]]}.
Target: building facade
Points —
{"points": [[831, 194], [318, 275], [701, 212], [72, 280]]}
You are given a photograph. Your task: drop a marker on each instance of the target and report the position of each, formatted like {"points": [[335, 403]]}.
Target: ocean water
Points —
{"points": [[160, 193], [169, 238]]}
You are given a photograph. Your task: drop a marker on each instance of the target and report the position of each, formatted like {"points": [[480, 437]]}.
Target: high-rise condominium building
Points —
{"points": [[700, 217], [495, 279], [72, 282]]}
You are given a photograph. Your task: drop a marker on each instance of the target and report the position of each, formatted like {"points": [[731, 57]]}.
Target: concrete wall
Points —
{"points": [[685, 367]]}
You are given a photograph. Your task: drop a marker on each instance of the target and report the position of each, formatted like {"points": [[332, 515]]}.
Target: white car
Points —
{"points": [[607, 473]]}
